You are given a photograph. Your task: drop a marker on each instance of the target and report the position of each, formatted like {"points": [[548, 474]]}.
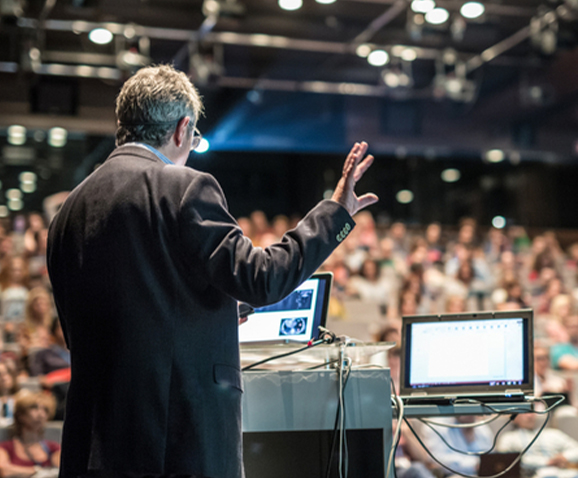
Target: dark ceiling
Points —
{"points": [[291, 82]]}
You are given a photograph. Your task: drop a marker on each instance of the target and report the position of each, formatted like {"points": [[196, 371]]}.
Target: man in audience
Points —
{"points": [[147, 267], [565, 356], [464, 439], [553, 448], [55, 357]]}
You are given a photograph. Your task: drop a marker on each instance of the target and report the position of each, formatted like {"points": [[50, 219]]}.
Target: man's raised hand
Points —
{"points": [[353, 170]]}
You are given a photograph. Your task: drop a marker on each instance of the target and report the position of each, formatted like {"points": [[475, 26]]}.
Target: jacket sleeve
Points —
{"points": [[214, 245]]}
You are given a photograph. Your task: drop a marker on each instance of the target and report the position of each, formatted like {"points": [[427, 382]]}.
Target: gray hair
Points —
{"points": [[151, 103]]}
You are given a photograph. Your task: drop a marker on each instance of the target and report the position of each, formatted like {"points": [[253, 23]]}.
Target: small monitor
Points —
{"points": [[467, 354], [293, 319]]}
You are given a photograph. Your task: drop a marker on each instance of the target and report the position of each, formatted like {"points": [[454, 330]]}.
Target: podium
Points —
{"points": [[289, 419]]}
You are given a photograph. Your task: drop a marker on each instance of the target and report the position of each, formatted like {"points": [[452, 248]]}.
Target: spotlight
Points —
{"points": [[378, 58], [408, 54], [27, 177], [28, 187], [437, 16], [495, 155], [100, 36], [15, 204], [203, 146], [13, 194], [290, 5], [57, 137], [472, 10], [423, 6], [499, 222], [363, 50], [16, 135], [405, 196], [451, 175]]}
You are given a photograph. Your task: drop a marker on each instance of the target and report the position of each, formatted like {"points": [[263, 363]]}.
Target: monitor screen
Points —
{"points": [[293, 319], [468, 353]]}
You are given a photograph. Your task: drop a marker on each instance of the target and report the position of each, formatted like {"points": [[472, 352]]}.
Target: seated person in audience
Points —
{"points": [[411, 460], [28, 453], [553, 448], [55, 357], [545, 380], [8, 388], [38, 317], [464, 439], [13, 294], [455, 304], [565, 356]]}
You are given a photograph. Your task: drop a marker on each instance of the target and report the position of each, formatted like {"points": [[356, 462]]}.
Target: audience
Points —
{"points": [[403, 270]]}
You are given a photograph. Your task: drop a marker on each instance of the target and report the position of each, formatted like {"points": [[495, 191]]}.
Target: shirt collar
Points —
{"points": [[159, 155]]}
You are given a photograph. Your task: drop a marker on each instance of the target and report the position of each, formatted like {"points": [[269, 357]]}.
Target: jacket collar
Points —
{"points": [[131, 149]]}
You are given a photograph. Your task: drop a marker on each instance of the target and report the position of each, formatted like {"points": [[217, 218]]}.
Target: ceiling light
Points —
{"points": [[472, 10], [404, 80], [28, 187], [15, 204], [408, 54], [14, 194], [363, 50], [290, 4], [100, 36], [495, 155], [16, 135], [27, 177], [4, 211], [451, 175], [499, 222], [378, 58], [203, 146], [423, 6], [57, 137], [437, 16], [391, 79], [325, 2], [405, 196]]}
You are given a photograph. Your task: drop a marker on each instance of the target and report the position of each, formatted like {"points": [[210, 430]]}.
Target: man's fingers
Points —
{"points": [[362, 167], [367, 200], [350, 159]]}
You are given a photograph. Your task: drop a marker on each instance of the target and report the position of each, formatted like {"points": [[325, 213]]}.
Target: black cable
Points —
{"points": [[310, 345], [471, 453], [518, 458], [335, 430]]}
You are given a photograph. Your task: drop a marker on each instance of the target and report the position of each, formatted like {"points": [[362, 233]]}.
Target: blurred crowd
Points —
{"points": [[398, 270]]}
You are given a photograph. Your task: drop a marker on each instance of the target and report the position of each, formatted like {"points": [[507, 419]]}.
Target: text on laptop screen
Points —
{"points": [[295, 318], [473, 352]]}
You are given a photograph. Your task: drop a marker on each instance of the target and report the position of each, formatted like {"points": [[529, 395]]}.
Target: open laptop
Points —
{"points": [[294, 319], [487, 356]]}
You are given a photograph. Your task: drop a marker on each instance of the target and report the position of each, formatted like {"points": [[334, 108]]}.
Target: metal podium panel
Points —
{"points": [[285, 401], [307, 400]]}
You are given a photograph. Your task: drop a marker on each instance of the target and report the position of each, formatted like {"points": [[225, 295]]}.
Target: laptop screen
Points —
{"points": [[467, 353], [293, 319]]}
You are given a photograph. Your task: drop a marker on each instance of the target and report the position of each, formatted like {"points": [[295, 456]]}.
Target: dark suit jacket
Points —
{"points": [[147, 265]]}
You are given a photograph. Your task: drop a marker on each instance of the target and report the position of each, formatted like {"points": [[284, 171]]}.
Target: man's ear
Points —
{"points": [[181, 131]]}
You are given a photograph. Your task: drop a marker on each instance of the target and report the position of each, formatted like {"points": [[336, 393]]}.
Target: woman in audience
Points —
{"points": [[8, 389], [38, 318], [28, 453], [13, 295]]}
